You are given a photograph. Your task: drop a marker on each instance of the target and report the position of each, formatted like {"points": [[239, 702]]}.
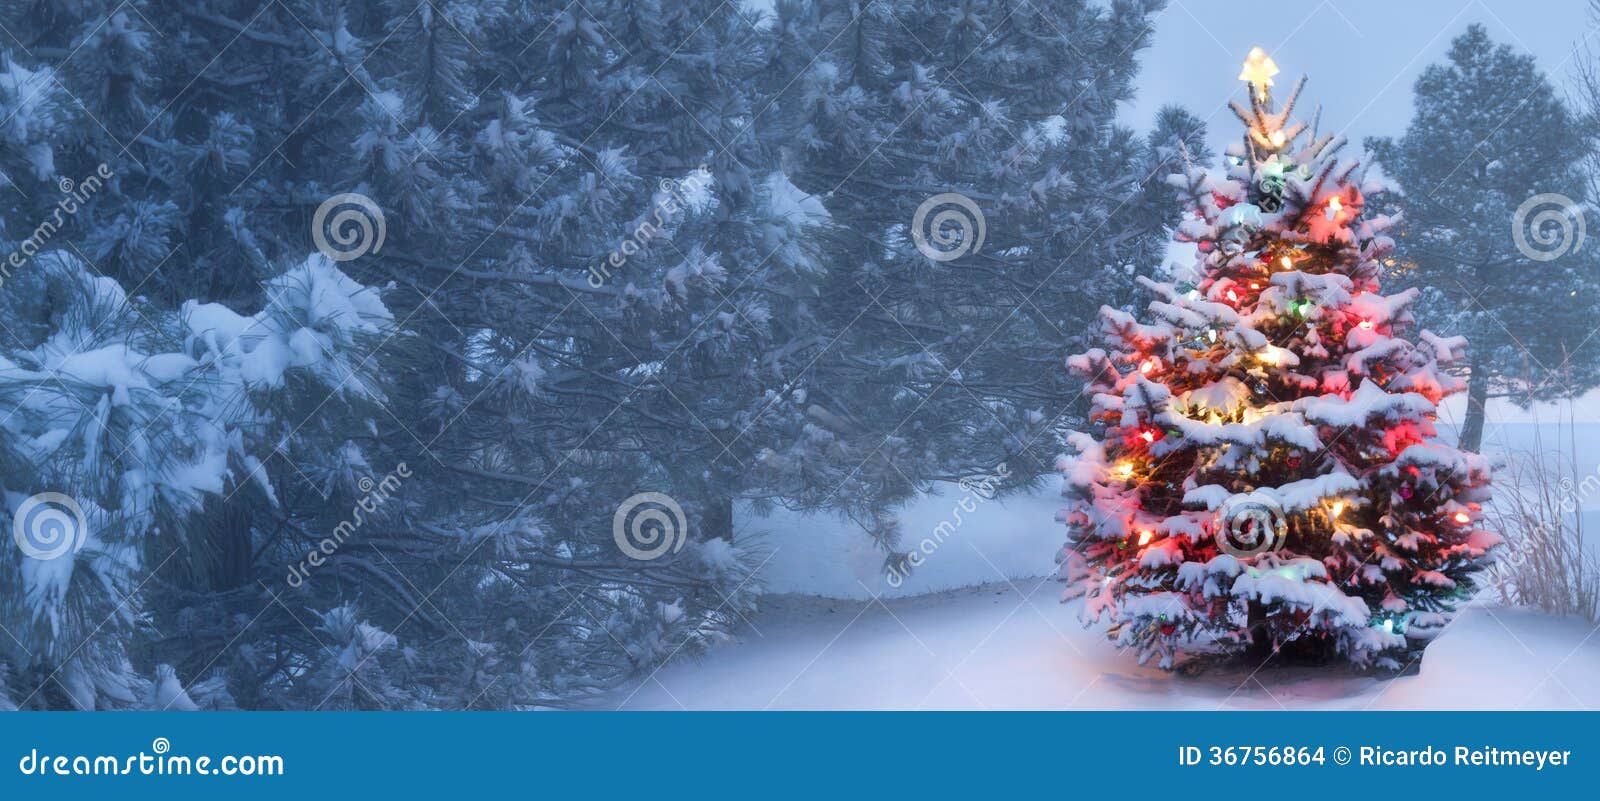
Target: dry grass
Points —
{"points": [[1537, 507]]}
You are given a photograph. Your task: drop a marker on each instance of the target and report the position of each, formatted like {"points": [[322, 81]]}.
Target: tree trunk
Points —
{"points": [[718, 522], [1260, 649], [1477, 397]]}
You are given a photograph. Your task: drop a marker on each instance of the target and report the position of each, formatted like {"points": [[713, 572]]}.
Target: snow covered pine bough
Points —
{"points": [[1266, 482]]}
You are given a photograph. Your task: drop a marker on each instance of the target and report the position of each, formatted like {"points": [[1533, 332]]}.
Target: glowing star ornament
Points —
{"points": [[1258, 71]]}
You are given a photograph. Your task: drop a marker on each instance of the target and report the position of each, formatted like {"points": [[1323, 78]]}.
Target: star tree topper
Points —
{"points": [[1258, 71]]}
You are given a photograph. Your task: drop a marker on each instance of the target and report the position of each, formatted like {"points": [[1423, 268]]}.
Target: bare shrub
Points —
{"points": [[1538, 508]]}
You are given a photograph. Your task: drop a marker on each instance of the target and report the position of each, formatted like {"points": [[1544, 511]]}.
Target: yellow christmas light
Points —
{"points": [[1145, 536], [1336, 509], [1258, 71], [1125, 470]]}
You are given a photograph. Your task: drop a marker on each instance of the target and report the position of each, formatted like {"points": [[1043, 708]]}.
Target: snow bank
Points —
{"points": [[999, 647]]}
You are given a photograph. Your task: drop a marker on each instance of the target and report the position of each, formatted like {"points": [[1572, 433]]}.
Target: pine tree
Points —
{"points": [[1495, 195], [529, 261], [994, 123], [1267, 478], [592, 288], [124, 423]]}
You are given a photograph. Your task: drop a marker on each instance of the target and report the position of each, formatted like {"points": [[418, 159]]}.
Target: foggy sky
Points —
{"points": [[1362, 56]]}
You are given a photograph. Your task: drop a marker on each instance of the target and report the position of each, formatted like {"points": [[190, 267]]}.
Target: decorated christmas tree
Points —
{"points": [[1266, 480]]}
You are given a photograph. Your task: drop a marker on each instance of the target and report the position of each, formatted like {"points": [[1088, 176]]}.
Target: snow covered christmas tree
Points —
{"points": [[1267, 480]]}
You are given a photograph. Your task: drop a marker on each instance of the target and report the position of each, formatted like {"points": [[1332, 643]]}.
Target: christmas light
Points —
{"points": [[1149, 366], [1288, 263], [1258, 71], [1145, 536], [1366, 324], [1125, 470], [1463, 518], [1336, 509], [1277, 139], [1147, 436], [1334, 207], [1233, 296]]}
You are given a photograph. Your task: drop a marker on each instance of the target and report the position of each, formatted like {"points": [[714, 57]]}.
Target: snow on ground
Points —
{"points": [[1014, 646], [951, 637]]}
